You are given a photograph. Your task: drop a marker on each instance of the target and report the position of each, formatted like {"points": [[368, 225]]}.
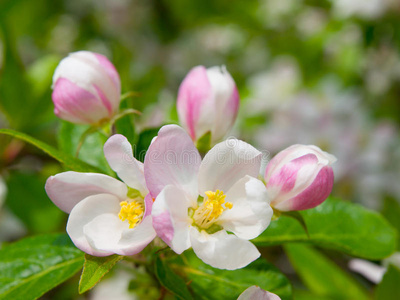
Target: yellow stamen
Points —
{"points": [[211, 208], [132, 211]]}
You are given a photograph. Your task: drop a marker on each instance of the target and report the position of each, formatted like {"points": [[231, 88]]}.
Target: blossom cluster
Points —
{"points": [[213, 201]]}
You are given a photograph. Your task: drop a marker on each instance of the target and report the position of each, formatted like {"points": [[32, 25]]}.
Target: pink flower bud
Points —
{"points": [[299, 177], [86, 88], [208, 101]]}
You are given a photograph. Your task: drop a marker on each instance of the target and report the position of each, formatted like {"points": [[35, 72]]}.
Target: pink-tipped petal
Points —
{"points": [[226, 163], [86, 88], [226, 101], [172, 159], [296, 151], [299, 177], [118, 152], [69, 188], [77, 105], [313, 195], [170, 218], [221, 250], [110, 69], [195, 103]]}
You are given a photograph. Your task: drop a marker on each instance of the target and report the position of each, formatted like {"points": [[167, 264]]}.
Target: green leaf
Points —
{"points": [[321, 275], [172, 282], [91, 151], [32, 266], [143, 143], [391, 211], [209, 283], [389, 288], [27, 199], [94, 269], [67, 160], [204, 143], [338, 225], [125, 125], [298, 217]]}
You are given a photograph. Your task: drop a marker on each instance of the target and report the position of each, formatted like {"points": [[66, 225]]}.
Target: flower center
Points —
{"points": [[131, 211], [211, 208]]}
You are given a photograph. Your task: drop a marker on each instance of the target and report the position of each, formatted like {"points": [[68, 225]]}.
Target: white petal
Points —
{"points": [[68, 188], [118, 152], [136, 239], [170, 218], [251, 212], [226, 101], [172, 159], [104, 231], [221, 250], [226, 163], [85, 212], [256, 293]]}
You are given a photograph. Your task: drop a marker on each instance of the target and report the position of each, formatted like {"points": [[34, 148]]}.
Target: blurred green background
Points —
{"points": [[311, 72]]}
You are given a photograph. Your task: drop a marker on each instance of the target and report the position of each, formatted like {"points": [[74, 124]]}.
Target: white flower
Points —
{"points": [[199, 202], [107, 216]]}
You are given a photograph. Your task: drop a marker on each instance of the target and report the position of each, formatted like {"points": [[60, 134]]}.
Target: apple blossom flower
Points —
{"points": [[299, 177], [86, 88], [256, 293], [197, 202], [208, 101], [106, 216]]}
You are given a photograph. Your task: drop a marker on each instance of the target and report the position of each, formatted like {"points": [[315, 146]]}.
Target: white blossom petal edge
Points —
{"points": [[106, 216], [214, 206]]}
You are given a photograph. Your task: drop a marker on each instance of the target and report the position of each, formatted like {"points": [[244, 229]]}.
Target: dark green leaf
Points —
{"points": [[125, 125], [31, 204], [339, 225], [321, 275], [91, 151], [389, 288], [143, 143], [204, 143], [391, 211], [210, 283], [31, 267], [298, 217], [94, 269], [171, 281], [67, 160]]}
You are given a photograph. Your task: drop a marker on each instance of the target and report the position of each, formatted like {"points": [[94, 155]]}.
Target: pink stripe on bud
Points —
{"points": [[86, 88], [299, 177], [208, 101]]}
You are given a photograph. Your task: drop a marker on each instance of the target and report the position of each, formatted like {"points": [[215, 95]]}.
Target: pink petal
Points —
{"points": [[313, 195], [170, 218], [110, 69], [195, 102], [77, 105], [226, 101], [172, 159]]}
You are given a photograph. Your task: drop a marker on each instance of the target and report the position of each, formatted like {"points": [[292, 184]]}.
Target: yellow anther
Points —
{"points": [[211, 208], [132, 211]]}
